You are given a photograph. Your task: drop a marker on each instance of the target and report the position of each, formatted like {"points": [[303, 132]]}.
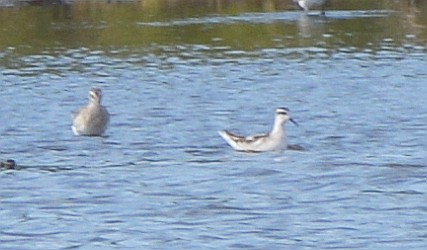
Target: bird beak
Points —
{"points": [[294, 122]]}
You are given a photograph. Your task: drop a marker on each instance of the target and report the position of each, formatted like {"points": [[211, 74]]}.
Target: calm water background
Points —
{"points": [[175, 72]]}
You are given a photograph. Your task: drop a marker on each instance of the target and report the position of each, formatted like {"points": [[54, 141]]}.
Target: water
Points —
{"points": [[173, 75]]}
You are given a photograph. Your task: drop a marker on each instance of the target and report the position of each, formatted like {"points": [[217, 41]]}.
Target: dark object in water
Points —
{"points": [[8, 164]]}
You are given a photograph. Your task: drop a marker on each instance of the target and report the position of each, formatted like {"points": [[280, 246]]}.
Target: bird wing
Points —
{"points": [[245, 139], [252, 138]]}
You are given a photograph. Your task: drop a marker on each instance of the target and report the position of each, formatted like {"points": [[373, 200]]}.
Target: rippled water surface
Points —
{"points": [[175, 72]]}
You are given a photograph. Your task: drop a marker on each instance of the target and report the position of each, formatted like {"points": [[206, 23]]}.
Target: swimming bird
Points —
{"points": [[275, 140], [91, 120], [8, 164], [308, 4]]}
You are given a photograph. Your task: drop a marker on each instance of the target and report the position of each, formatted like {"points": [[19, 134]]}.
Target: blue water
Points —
{"points": [[162, 178]]}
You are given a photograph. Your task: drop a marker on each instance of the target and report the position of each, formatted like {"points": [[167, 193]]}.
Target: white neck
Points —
{"points": [[278, 127]]}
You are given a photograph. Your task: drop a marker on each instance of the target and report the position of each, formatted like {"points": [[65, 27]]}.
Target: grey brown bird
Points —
{"points": [[93, 119]]}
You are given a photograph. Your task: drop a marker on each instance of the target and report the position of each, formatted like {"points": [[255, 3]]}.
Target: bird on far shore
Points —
{"points": [[309, 4]]}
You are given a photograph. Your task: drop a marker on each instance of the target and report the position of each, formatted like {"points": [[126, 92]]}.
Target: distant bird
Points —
{"points": [[275, 140], [91, 120], [308, 4], [8, 164]]}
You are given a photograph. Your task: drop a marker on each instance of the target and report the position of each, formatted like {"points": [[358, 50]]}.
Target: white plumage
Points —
{"points": [[308, 4], [275, 140]]}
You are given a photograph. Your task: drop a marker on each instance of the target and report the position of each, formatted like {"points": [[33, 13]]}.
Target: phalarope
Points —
{"points": [[91, 120], [308, 4], [275, 140]]}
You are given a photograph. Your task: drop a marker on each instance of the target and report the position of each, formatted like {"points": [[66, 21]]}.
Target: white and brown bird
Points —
{"points": [[91, 120], [275, 140]]}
